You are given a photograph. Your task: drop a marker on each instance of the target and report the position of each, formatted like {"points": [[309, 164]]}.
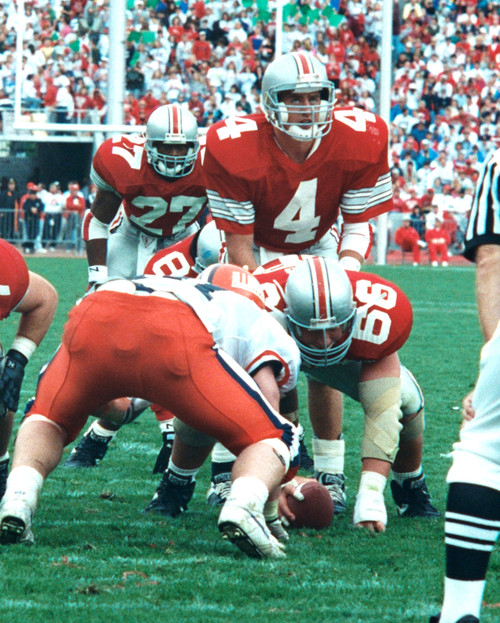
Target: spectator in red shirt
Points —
{"points": [[438, 241], [408, 239], [202, 48], [196, 106]]}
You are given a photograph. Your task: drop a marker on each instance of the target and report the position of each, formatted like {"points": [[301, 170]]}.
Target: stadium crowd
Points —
{"points": [[210, 57]]}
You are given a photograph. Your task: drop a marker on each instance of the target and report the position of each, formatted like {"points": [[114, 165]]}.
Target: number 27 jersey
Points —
{"points": [[155, 205]]}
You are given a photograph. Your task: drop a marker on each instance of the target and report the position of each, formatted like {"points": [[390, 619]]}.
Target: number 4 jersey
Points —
{"points": [[384, 313], [253, 187], [154, 204]]}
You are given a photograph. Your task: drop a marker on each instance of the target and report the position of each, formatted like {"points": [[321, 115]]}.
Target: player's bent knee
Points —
{"points": [[381, 402], [413, 426], [190, 436], [281, 450]]}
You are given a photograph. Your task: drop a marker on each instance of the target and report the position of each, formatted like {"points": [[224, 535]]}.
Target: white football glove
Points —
{"points": [[370, 506]]}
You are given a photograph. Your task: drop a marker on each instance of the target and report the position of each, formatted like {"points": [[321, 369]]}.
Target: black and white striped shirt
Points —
{"points": [[484, 219]]}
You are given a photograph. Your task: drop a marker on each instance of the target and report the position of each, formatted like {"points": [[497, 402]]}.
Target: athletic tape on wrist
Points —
{"points": [[24, 345]]}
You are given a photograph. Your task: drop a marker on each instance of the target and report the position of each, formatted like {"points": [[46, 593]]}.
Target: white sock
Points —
{"points": [[4, 457], [400, 477], [167, 426], [249, 491], [24, 482], [461, 598], [221, 454], [100, 431], [329, 455], [183, 472]]}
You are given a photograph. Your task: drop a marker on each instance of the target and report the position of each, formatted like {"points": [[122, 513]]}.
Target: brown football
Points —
{"points": [[315, 510]]}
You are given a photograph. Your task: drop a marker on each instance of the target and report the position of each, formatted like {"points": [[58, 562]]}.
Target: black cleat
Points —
{"points": [[335, 483], [89, 451], [172, 495], [413, 498], [220, 487]]}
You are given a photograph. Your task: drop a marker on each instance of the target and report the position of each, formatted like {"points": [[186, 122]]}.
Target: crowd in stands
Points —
{"points": [[209, 55]]}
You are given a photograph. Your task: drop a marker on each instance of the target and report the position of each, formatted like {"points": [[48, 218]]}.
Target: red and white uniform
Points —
{"points": [[254, 188], [175, 261], [197, 346], [155, 212], [14, 278], [381, 328]]}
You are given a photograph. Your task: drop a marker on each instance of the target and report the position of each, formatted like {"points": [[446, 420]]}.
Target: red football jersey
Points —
{"points": [[174, 261], [157, 206], [14, 278], [384, 318], [253, 187]]}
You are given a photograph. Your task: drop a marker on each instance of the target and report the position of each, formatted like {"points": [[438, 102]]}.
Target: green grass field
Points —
{"points": [[98, 558]]}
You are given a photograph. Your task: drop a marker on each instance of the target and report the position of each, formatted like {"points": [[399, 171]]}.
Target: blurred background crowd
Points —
{"points": [[209, 55]]}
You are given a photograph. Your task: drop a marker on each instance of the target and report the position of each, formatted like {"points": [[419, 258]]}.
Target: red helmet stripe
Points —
{"points": [[176, 119], [304, 65], [321, 288]]}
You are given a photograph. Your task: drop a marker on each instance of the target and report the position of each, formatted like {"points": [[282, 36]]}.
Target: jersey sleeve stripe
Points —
{"points": [[230, 210], [99, 182], [357, 201]]}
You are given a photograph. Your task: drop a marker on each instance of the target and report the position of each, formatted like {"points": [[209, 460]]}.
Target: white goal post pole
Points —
{"points": [[385, 110]]}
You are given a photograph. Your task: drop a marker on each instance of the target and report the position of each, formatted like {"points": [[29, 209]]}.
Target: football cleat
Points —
{"points": [[15, 522], [246, 528], [164, 455], [277, 529], [220, 486], [468, 618], [172, 495], [89, 451], [335, 483], [4, 472], [413, 498]]}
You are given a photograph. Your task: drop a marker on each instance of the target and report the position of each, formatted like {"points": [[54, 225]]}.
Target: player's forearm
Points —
{"points": [[488, 288], [240, 250]]}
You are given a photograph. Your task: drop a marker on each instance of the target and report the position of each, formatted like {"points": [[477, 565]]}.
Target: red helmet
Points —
{"points": [[235, 278]]}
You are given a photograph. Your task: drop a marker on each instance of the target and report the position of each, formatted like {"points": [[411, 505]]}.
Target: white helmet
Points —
{"points": [[209, 244], [172, 125], [298, 72], [318, 297]]}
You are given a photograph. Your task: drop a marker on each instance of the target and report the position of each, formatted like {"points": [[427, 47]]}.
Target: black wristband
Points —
{"points": [[18, 357]]}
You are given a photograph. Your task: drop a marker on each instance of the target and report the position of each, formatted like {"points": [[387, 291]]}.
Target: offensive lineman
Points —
{"points": [[349, 327], [180, 331]]}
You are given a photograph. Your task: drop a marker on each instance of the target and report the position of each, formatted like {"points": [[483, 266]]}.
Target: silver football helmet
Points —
{"points": [[173, 126], [298, 72], [209, 245], [318, 297]]}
